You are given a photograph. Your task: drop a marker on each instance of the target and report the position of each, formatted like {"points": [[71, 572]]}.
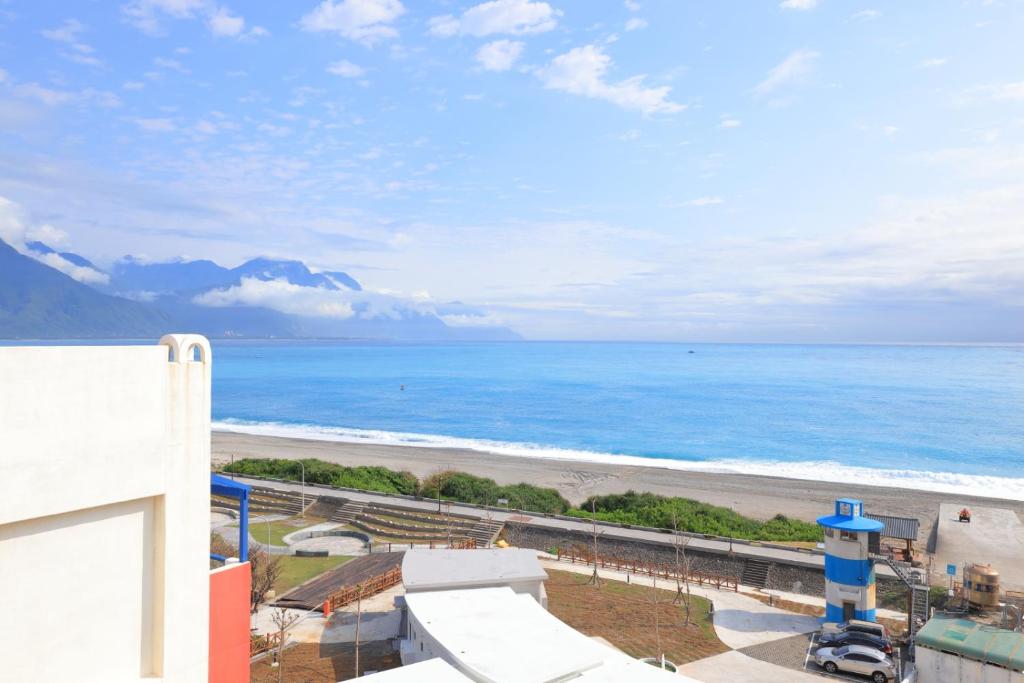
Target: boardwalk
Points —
{"points": [[311, 595]]}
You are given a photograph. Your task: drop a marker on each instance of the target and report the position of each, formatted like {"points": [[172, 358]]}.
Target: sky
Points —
{"points": [[804, 170]]}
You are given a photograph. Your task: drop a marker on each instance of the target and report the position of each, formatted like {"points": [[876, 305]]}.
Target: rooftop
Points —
{"points": [[849, 517], [903, 528], [424, 569], [975, 641], [501, 636], [431, 671]]}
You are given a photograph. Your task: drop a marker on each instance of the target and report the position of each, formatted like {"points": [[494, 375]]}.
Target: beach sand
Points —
{"points": [[754, 496]]}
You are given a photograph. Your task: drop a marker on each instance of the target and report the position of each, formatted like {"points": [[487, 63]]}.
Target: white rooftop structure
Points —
{"points": [[434, 570], [429, 671], [494, 635]]}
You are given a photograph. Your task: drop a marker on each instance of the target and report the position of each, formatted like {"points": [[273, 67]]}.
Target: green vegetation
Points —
{"points": [[639, 509], [319, 472], [467, 488], [278, 528], [297, 570], [648, 509]]}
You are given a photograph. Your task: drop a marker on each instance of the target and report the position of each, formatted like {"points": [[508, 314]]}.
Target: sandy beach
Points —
{"points": [[754, 496]]}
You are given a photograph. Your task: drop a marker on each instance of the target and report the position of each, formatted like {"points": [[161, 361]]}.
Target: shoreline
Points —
{"points": [[753, 495]]}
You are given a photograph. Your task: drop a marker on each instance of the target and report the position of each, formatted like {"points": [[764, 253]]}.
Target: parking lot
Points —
{"points": [[797, 652]]}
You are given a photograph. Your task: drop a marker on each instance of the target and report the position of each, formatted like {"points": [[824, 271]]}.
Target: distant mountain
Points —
{"points": [[262, 298], [132, 277], [37, 301], [77, 260]]}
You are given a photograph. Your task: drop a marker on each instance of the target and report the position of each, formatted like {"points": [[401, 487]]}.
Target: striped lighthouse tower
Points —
{"points": [[849, 570]]}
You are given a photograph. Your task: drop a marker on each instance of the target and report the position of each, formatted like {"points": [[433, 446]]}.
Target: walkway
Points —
{"points": [[740, 550]]}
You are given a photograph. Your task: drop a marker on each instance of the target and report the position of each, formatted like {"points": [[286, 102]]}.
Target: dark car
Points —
{"points": [[841, 638]]}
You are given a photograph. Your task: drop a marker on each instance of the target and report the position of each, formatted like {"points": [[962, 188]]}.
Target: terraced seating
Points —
{"points": [[265, 500]]}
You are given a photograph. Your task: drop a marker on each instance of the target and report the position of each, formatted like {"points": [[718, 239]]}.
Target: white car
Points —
{"points": [[857, 659]]}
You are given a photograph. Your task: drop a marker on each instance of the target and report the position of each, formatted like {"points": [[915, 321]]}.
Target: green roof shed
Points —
{"points": [[975, 641]]}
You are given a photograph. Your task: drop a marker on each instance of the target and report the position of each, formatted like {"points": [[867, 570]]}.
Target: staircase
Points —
{"points": [[919, 595], [348, 513], [485, 531], [755, 573]]}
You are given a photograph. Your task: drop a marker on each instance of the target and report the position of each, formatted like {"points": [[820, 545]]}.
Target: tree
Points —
{"points": [[682, 570], [595, 579], [265, 569], [283, 621]]}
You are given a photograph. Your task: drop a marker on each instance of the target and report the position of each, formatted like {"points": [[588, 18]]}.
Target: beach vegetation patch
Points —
{"points": [[367, 478], [685, 514], [467, 488]]}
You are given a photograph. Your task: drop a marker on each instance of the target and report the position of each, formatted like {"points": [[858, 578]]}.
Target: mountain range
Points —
{"points": [[261, 298]]}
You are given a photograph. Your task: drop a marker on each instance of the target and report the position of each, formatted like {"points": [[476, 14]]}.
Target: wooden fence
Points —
{"points": [[263, 643], [348, 594], [642, 567], [461, 544]]}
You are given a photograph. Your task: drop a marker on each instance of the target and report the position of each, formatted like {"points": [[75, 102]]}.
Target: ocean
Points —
{"points": [[943, 418]]}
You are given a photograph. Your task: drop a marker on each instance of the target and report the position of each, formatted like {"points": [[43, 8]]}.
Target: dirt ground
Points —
{"points": [[624, 614], [326, 663]]}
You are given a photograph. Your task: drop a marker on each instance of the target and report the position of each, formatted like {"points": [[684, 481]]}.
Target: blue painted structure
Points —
{"points": [[223, 486], [849, 569]]}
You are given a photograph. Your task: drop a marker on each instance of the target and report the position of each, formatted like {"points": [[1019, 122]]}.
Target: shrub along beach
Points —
{"points": [[641, 509]]}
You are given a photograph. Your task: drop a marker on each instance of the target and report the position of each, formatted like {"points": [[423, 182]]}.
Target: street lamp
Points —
{"points": [[303, 512]]}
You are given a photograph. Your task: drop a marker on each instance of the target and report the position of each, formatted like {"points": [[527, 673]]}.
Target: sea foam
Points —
{"points": [[830, 471]]}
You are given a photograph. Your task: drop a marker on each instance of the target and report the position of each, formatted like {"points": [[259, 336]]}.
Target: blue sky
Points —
{"points": [[749, 171]]}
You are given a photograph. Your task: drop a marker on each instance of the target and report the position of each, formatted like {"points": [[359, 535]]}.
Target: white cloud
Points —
{"points": [[204, 127], [931, 63], [3, 76], [1008, 91], [155, 125], [346, 69], [635, 24], [515, 17], [66, 32], [53, 97], [16, 230], [583, 71], [365, 21], [866, 15], [133, 85], [499, 55], [281, 295], [633, 5], [223, 23], [798, 4], [704, 201], [793, 70], [146, 15], [729, 122]]}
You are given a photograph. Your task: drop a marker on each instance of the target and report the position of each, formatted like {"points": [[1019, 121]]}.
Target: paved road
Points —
{"points": [[995, 536], [742, 551]]}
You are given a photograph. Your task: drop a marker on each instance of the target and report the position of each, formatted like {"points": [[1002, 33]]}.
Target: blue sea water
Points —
{"points": [[937, 417]]}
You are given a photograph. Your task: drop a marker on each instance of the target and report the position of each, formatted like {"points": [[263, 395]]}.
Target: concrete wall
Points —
{"points": [[941, 667], [104, 521]]}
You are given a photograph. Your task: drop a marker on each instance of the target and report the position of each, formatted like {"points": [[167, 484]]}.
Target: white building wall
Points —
{"points": [[104, 529], [942, 667]]}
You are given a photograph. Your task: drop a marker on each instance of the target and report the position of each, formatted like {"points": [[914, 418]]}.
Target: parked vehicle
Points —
{"points": [[855, 625], [840, 638], [857, 659]]}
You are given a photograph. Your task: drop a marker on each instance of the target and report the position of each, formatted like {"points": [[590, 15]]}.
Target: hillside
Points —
{"points": [[37, 301]]}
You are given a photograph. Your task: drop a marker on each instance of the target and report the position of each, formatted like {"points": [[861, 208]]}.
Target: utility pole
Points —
{"points": [[359, 614], [594, 578]]}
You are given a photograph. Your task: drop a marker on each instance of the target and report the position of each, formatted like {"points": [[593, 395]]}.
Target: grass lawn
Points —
{"points": [[298, 570], [624, 614], [279, 529]]}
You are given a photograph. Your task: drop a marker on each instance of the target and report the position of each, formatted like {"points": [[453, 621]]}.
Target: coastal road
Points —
{"points": [[742, 551]]}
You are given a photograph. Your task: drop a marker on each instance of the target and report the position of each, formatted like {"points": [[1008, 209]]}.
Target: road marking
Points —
{"points": [[807, 656]]}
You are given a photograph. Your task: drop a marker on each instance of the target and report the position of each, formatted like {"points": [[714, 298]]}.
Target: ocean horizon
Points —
{"points": [[931, 417]]}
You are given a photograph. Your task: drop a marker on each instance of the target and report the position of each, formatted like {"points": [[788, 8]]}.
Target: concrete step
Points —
{"points": [[755, 573]]}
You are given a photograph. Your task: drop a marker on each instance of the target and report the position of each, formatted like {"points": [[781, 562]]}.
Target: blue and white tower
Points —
{"points": [[849, 570]]}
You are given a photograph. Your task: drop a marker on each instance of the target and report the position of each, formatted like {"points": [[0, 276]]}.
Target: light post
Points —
{"points": [[303, 512]]}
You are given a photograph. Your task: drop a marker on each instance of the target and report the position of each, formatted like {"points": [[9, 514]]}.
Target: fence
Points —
{"points": [[263, 643], [461, 544], [635, 566], [372, 586]]}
